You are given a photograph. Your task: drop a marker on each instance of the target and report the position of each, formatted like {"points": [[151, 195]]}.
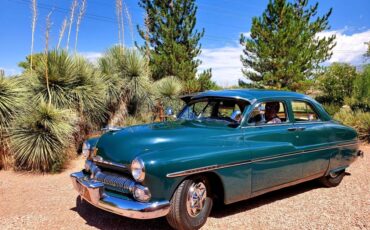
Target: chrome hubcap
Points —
{"points": [[196, 198]]}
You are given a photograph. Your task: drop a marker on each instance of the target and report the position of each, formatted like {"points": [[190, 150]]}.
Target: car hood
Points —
{"points": [[124, 145]]}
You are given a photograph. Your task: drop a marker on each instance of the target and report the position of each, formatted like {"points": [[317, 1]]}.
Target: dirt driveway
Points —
{"points": [[49, 202]]}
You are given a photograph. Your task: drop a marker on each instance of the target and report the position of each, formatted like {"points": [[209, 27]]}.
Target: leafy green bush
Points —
{"points": [[331, 108], [336, 83], [41, 137], [356, 119], [361, 91]]}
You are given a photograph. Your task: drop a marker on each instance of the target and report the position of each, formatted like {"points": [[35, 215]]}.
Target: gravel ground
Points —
{"points": [[29, 201]]}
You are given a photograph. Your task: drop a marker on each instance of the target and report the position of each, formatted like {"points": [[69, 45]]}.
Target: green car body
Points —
{"points": [[240, 161]]}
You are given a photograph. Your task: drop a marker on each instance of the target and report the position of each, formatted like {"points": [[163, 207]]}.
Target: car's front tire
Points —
{"points": [[333, 179], [191, 204]]}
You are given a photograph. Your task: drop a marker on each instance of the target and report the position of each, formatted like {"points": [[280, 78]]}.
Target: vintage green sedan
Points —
{"points": [[224, 146]]}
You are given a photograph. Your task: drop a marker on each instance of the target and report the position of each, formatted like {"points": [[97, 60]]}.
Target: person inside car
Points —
{"points": [[271, 110]]}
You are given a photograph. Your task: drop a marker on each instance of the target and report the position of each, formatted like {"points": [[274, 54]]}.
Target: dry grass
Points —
{"points": [[79, 19], [71, 19], [31, 201]]}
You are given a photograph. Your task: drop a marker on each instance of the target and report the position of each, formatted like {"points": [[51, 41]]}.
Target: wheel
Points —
{"points": [[333, 179], [191, 204]]}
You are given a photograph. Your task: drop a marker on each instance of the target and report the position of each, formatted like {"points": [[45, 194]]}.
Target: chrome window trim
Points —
{"points": [[214, 167]]}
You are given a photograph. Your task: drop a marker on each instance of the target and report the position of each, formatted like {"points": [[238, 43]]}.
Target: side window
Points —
{"points": [[303, 111], [272, 112]]}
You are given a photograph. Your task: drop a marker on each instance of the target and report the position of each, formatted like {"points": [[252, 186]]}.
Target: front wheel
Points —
{"points": [[333, 179], [191, 204]]}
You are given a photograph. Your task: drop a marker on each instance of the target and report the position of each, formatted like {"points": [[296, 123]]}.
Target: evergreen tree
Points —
{"points": [[172, 42], [283, 49]]}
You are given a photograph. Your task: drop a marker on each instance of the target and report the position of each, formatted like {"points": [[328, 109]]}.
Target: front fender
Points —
{"points": [[220, 159]]}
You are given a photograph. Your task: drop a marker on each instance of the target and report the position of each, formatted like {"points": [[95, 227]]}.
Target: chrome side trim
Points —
{"points": [[214, 167], [93, 192], [205, 169]]}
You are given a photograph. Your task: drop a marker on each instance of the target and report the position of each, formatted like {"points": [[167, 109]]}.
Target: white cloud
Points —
{"points": [[226, 65], [92, 56], [349, 48]]}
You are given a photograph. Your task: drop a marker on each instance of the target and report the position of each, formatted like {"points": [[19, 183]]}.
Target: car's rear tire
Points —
{"points": [[333, 179], [191, 204]]}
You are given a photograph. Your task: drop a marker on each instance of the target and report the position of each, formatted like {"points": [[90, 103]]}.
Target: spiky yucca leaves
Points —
{"points": [[74, 84], [129, 83], [11, 101], [40, 138], [168, 90]]}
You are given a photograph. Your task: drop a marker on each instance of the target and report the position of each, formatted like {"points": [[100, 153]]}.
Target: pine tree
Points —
{"points": [[171, 38], [283, 49]]}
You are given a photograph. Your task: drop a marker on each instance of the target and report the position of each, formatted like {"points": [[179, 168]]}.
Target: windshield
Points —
{"points": [[216, 109]]}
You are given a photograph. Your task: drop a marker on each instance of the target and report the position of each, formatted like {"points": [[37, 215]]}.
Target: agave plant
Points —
{"points": [[74, 84], [11, 101], [129, 83], [40, 138]]}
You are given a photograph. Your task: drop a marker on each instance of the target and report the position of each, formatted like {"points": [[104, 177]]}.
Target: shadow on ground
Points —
{"points": [[105, 220]]}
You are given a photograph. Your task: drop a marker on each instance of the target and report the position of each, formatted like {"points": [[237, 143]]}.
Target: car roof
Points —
{"points": [[249, 94]]}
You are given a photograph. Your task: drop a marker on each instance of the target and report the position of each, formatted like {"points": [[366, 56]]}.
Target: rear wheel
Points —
{"points": [[191, 204], [333, 179]]}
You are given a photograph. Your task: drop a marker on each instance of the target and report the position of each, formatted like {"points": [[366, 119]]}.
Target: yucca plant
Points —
{"points": [[74, 84], [11, 101], [168, 90], [40, 138], [129, 84]]}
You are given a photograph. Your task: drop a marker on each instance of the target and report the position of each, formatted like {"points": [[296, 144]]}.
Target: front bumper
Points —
{"points": [[93, 192]]}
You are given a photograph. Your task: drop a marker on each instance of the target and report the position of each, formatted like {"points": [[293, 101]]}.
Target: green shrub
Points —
{"points": [[336, 82], [41, 137], [331, 108], [356, 119]]}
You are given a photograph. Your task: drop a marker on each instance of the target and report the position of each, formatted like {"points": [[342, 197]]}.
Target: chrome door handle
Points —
{"points": [[296, 129]]}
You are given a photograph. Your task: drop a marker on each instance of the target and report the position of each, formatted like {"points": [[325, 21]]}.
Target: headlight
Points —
{"points": [[86, 149], [138, 169], [141, 193]]}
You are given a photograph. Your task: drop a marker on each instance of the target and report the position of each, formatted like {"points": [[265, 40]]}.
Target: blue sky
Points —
{"points": [[223, 20]]}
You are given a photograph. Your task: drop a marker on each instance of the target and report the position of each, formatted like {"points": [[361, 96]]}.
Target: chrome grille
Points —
{"points": [[115, 182]]}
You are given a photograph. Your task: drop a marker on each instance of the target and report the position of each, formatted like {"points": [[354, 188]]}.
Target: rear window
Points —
{"points": [[303, 111]]}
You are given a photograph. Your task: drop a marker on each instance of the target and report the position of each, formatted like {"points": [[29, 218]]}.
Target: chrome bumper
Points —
{"points": [[93, 192]]}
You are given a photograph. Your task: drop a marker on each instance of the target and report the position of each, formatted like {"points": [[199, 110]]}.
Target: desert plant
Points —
{"points": [[40, 138], [121, 26], [168, 90], [331, 109], [33, 27], [11, 102], [71, 19], [356, 119], [61, 32], [129, 76], [75, 85], [81, 13]]}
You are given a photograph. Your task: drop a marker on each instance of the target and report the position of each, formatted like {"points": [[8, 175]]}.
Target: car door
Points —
{"points": [[274, 158], [313, 138]]}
